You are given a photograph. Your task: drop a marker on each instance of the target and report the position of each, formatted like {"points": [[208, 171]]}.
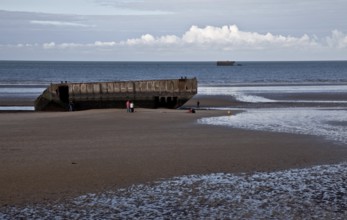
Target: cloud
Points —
{"points": [[337, 39], [77, 7], [209, 41], [53, 45], [49, 45], [224, 38], [105, 44], [59, 23], [229, 38], [150, 40]]}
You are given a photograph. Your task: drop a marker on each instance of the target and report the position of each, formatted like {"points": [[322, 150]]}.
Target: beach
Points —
{"points": [[57, 156]]}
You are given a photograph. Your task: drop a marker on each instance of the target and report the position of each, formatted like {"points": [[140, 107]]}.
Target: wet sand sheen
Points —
{"points": [[54, 156]]}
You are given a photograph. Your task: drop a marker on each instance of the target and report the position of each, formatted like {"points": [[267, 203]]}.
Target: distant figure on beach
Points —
{"points": [[191, 110], [132, 106], [128, 106], [198, 104], [71, 106]]}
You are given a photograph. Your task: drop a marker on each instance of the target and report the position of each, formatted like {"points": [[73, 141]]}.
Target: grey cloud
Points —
{"points": [[59, 23]]}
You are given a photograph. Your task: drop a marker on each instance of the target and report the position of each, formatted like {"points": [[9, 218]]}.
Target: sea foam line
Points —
{"points": [[225, 90], [327, 123], [249, 93]]}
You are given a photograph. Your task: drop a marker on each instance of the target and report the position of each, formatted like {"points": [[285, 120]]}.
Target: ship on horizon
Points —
{"points": [[225, 63]]}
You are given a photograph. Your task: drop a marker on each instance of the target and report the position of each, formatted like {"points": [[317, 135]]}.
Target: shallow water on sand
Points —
{"points": [[289, 94], [329, 123]]}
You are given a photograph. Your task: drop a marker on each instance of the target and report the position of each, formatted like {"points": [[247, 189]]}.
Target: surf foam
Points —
{"points": [[328, 123], [251, 94]]}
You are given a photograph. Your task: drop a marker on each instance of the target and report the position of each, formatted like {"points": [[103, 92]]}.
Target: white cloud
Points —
{"points": [[209, 41], [96, 44], [50, 45], [24, 45], [53, 45], [145, 39], [105, 44], [150, 40], [337, 39], [226, 38], [210, 37], [223, 38]]}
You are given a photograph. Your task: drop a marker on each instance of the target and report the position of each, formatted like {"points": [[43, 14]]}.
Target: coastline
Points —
{"points": [[49, 156], [160, 163]]}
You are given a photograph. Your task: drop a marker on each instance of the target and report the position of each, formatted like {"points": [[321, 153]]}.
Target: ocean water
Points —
{"points": [[246, 82], [295, 97], [43, 73]]}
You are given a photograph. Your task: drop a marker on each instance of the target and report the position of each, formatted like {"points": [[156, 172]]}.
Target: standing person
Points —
{"points": [[128, 106], [198, 104], [132, 106], [71, 106]]}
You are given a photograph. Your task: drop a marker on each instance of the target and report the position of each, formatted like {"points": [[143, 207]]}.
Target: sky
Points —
{"points": [[173, 30]]}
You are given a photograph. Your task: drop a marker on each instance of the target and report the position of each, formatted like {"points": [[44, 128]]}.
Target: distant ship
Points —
{"points": [[170, 93], [225, 63]]}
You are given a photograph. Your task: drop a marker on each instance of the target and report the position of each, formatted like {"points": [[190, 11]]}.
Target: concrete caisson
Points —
{"points": [[169, 93]]}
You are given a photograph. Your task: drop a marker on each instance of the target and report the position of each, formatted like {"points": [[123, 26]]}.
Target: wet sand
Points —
{"points": [[16, 101], [49, 156]]}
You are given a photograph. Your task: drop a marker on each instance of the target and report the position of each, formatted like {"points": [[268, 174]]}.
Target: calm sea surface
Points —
{"points": [[258, 80], [43, 73], [312, 96]]}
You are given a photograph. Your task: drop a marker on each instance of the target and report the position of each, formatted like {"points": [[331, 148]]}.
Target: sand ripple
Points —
{"points": [[317, 192]]}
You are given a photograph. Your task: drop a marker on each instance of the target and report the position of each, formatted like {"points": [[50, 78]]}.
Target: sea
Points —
{"points": [[296, 97], [306, 97], [248, 82]]}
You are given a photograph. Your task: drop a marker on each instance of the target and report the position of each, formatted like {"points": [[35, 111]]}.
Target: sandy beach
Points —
{"points": [[48, 156]]}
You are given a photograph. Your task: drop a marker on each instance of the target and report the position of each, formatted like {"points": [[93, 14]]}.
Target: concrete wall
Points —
{"points": [[149, 93], [111, 90]]}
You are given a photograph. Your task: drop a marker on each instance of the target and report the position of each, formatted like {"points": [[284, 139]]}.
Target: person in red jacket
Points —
{"points": [[128, 106]]}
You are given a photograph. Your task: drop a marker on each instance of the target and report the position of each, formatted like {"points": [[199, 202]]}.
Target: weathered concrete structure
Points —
{"points": [[146, 94]]}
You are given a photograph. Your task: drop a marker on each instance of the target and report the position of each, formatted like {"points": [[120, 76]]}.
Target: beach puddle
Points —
{"points": [[316, 192], [17, 108]]}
